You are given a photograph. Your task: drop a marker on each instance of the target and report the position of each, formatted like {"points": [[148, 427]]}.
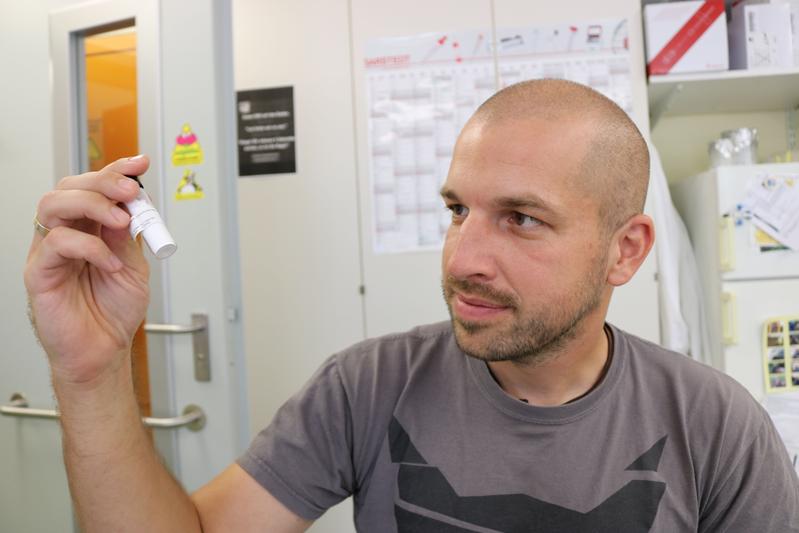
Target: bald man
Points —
{"points": [[525, 412]]}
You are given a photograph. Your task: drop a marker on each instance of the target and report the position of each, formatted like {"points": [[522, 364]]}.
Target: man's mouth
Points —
{"points": [[472, 308]]}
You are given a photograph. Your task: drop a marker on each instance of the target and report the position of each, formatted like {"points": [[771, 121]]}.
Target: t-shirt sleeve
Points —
{"points": [[757, 492], [304, 457]]}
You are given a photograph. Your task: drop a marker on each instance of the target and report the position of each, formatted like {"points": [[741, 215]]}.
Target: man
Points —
{"points": [[525, 413]]}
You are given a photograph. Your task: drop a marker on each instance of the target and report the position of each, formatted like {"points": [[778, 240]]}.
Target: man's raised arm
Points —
{"points": [[87, 282]]}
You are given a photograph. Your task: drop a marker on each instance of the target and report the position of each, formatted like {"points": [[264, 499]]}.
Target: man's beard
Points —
{"points": [[530, 338]]}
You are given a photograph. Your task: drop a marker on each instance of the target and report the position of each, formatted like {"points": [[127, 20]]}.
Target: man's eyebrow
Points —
{"points": [[531, 201], [448, 194]]}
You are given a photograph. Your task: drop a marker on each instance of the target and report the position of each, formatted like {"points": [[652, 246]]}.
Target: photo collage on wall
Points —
{"points": [[781, 353]]}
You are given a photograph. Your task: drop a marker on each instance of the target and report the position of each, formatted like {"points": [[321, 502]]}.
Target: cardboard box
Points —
{"points": [[795, 30], [761, 35], [794, 7], [686, 37]]}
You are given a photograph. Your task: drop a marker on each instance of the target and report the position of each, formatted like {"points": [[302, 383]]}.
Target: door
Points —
{"points": [[152, 77]]}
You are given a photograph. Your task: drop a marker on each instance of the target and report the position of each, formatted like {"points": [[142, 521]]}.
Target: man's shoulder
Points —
{"points": [[651, 357], [397, 352], [707, 394], [401, 342]]}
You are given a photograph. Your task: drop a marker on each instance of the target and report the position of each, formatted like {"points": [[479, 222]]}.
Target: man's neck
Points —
{"points": [[564, 376]]}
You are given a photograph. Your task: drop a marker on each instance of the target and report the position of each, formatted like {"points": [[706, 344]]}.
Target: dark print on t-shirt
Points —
{"points": [[425, 494]]}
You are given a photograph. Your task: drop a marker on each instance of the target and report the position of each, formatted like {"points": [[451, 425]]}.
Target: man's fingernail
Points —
{"points": [[136, 157]]}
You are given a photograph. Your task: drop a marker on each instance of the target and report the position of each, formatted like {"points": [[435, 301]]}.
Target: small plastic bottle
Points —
{"points": [[145, 219]]}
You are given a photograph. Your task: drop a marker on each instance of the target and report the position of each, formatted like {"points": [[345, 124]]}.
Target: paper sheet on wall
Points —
{"points": [[421, 89], [773, 201]]}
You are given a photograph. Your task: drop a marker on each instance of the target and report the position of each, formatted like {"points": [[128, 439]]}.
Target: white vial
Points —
{"points": [[145, 219]]}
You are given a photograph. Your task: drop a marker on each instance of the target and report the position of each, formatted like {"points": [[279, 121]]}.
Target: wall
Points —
{"points": [[299, 233]]}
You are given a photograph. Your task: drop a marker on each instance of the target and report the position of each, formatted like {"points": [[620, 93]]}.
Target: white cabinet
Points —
{"points": [[742, 285]]}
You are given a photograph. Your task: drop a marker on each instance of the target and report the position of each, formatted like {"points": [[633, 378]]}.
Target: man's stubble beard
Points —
{"points": [[526, 340]]}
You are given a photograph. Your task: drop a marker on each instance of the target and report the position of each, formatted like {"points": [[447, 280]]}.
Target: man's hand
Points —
{"points": [[87, 280]]}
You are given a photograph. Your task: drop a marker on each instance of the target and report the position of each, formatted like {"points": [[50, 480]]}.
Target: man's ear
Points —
{"points": [[629, 246]]}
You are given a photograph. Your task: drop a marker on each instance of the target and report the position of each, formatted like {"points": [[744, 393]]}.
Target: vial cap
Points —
{"points": [[159, 240]]}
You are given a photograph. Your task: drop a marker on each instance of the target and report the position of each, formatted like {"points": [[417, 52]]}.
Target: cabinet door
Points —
{"points": [[741, 257], [746, 308]]}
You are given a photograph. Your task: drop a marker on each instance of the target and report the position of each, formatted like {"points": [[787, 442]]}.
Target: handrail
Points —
{"points": [[193, 417]]}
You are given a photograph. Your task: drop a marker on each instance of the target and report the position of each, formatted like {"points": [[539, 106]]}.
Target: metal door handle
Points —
{"points": [[173, 328], [193, 416], [199, 332]]}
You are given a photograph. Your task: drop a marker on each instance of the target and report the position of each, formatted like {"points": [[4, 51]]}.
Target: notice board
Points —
{"points": [[266, 131]]}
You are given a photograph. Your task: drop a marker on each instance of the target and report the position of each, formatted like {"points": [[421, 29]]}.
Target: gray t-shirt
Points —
{"points": [[426, 441]]}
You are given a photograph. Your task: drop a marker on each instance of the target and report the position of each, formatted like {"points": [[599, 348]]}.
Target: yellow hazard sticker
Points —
{"points": [[188, 188], [187, 149]]}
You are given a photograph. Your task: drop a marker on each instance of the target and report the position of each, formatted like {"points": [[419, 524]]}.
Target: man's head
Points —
{"points": [[547, 186]]}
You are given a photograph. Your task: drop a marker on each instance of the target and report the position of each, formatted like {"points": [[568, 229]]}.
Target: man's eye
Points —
{"points": [[458, 210], [525, 221]]}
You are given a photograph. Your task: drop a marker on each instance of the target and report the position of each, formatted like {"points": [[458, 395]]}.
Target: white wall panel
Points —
{"points": [[299, 240], [299, 232]]}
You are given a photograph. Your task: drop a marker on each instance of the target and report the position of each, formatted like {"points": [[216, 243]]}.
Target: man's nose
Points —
{"points": [[471, 250]]}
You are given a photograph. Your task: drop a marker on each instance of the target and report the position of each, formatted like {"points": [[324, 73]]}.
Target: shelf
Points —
{"points": [[731, 91]]}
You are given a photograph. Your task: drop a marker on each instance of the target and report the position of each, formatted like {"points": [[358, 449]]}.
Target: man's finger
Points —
{"points": [[110, 178], [129, 166], [109, 183], [125, 248], [62, 246], [62, 207]]}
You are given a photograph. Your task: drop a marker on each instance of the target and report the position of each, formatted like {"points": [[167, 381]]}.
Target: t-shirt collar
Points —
{"points": [[560, 414]]}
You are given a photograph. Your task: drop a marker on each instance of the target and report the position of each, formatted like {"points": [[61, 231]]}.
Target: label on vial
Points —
{"points": [[143, 220]]}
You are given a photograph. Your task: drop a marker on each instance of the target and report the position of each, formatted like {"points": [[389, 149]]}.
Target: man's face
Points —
{"points": [[525, 258]]}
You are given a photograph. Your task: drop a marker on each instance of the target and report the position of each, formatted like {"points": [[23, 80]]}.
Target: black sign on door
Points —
{"points": [[266, 131]]}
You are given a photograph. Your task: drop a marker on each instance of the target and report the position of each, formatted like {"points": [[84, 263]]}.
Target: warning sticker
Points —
{"points": [[187, 149], [188, 188]]}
